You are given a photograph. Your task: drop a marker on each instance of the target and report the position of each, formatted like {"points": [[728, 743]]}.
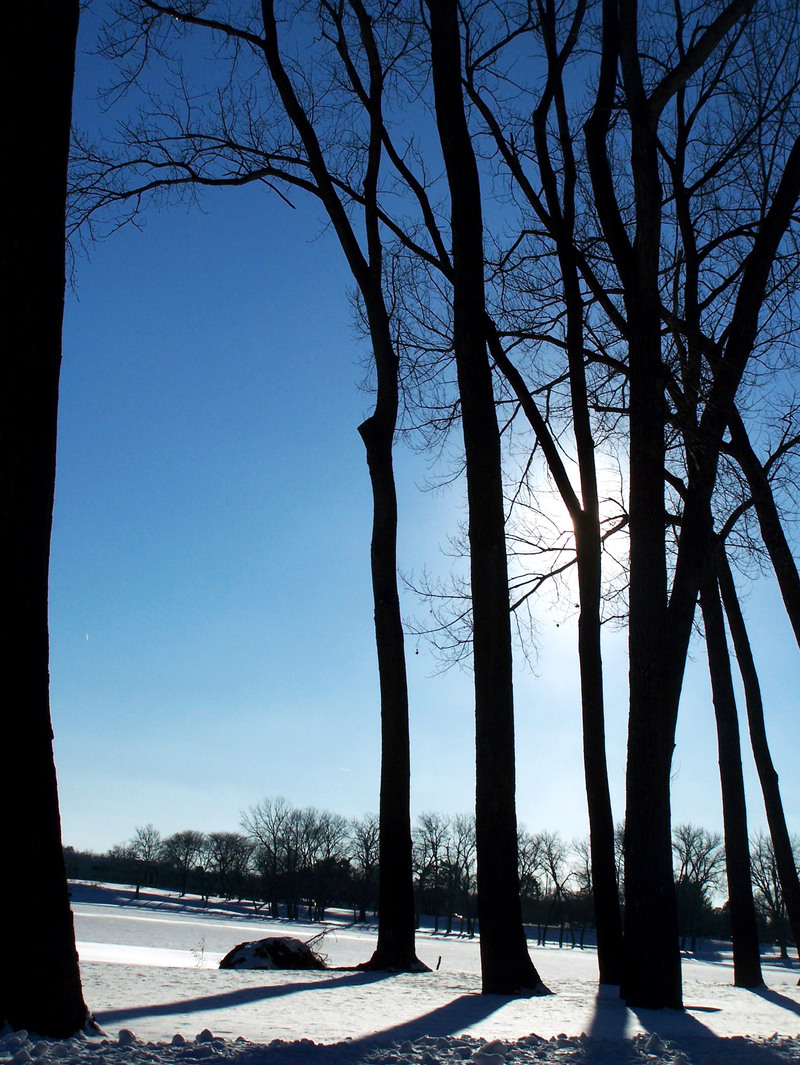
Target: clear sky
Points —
{"points": [[211, 616]]}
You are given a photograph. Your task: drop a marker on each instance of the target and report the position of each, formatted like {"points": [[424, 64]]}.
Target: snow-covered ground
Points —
{"points": [[150, 976]]}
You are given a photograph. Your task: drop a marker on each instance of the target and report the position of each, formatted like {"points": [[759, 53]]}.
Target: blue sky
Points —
{"points": [[211, 616]]}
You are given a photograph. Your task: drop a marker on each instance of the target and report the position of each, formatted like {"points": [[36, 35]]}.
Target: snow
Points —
{"points": [[150, 978]]}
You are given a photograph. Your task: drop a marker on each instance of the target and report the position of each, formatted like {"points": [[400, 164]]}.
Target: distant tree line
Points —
{"points": [[295, 863]]}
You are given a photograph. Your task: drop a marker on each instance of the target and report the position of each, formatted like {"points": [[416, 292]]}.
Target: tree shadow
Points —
{"points": [[237, 997], [700, 1043], [611, 1021], [446, 1020], [777, 999]]}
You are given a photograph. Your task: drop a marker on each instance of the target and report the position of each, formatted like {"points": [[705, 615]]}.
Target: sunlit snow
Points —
{"points": [[150, 976]]}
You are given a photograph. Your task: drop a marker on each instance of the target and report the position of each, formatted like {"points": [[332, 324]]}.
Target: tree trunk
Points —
{"points": [[652, 974], [586, 525], [506, 966], [608, 919], [40, 986], [767, 775], [769, 520], [744, 931], [652, 958], [396, 936]]}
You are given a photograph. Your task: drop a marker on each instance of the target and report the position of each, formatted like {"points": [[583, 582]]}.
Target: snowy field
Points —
{"points": [[150, 977]]}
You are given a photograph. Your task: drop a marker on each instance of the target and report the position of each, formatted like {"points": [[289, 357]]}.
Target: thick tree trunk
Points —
{"points": [[659, 633], [506, 965], [767, 774], [652, 975], [40, 986], [559, 195], [652, 957], [744, 931]]}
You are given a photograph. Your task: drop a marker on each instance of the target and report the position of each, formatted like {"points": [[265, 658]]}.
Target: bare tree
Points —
{"points": [[229, 856], [431, 842], [183, 850], [143, 850], [768, 885], [462, 860], [330, 864], [506, 966], [364, 840], [266, 824], [238, 146], [557, 874], [35, 122], [531, 872], [664, 106], [553, 200]]}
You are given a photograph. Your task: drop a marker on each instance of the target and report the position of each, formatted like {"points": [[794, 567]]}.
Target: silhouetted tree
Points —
{"points": [[140, 854], [553, 200], [307, 160], [783, 852], [768, 887], [40, 985], [746, 953], [506, 966], [431, 839], [229, 856], [364, 842], [699, 867], [182, 851], [674, 174]]}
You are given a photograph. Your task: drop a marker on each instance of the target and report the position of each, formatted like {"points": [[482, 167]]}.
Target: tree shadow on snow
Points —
{"points": [[238, 997], [452, 1017], [445, 1020], [611, 1021], [699, 1043], [777, 999]]}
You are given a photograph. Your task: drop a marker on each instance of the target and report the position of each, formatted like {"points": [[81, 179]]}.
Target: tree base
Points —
{"points": [[387, 962], [539, 991], [521, 980]]}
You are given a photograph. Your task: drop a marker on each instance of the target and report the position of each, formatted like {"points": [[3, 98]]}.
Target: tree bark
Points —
{"points": [[506, 966], [744, 931], [40, 986], [767, 774]]}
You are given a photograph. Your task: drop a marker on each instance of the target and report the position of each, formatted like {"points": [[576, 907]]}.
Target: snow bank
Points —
{"points": [[20, 1048]]}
